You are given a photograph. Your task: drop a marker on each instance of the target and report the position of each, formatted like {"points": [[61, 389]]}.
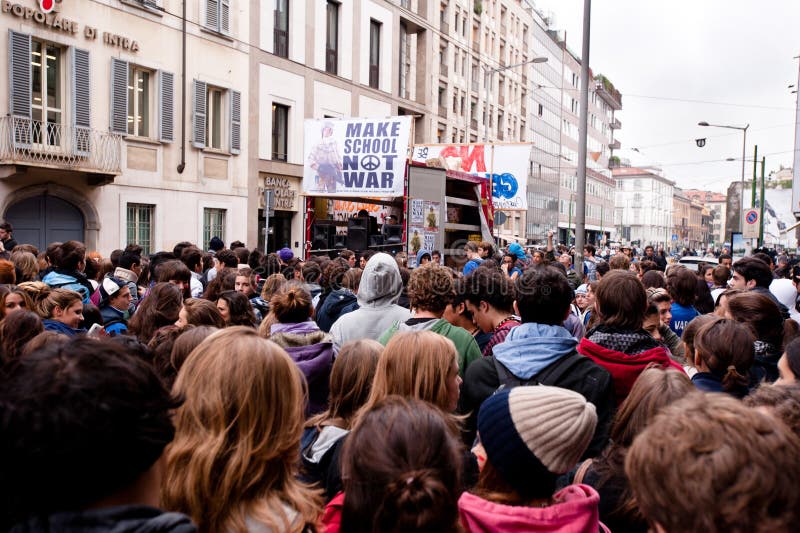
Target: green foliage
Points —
{"points": [[478, 7]]}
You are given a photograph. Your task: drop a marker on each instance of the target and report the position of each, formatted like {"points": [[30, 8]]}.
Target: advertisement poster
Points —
{"points": [[507, 165], [423, 228], [355, 157]]}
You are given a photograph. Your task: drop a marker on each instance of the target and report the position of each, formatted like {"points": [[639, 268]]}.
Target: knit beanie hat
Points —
{"points": [[532, 430], [285, 254]]}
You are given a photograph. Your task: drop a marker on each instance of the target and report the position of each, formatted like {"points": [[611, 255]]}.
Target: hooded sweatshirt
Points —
{"points": [[466, 346], [60, 327], [313, 352], [377, 300], [72, 280], [123, 519], [574, 510], [339, 302], [625, 354], [528, 350]]}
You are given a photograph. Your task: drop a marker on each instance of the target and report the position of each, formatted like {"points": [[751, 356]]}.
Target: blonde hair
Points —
{"points": [[272, 284], [415, 365], [48, 300], [237, 439], [27, 264]]}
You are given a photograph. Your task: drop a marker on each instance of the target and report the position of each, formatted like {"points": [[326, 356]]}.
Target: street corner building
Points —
{"points": [[122, 123]]}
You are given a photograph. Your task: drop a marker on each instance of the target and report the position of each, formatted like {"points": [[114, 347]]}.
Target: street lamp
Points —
{"points": [[744, 155], [489, 73]]}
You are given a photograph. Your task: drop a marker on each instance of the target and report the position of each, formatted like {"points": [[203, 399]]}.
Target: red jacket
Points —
{"points": [[624, 368], [332, 517]]}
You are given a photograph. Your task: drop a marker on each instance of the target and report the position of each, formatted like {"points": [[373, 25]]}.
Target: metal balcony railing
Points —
{"points": [[31, 142]]}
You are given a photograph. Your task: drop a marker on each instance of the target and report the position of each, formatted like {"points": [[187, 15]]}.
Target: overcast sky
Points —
{"points": [[676, 62]]}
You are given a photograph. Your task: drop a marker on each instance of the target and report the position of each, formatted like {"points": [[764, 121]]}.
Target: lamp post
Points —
{"points": [[489, 72], [744, 155]]}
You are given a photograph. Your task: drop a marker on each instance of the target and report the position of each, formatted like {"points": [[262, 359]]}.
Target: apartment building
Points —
{"points": [[716, 204], [643, 212], [121, 122]]}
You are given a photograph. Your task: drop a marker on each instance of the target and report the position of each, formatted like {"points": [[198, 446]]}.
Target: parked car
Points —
{"points": [[693, 262]]}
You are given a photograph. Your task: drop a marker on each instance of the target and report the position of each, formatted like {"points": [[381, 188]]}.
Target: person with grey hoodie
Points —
{"points": [[377, 300], [541, 351]]}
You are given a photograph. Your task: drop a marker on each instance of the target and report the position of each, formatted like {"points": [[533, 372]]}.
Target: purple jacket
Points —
{"points": [[312, 350]]}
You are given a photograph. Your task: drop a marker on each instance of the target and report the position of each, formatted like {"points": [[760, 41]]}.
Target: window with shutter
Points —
{"points": [[199, 89], [119, 96], [236, 122], [218, 16], [81, 100], [166, 110], [20, 68], [140, 104]]}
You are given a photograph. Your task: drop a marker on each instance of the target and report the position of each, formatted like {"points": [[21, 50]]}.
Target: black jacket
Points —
{"points": [[123, 519], [584, 376]]}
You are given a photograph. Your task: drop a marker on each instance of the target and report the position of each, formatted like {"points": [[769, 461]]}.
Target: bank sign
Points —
{"points": [[506, 165], [355, 157]]}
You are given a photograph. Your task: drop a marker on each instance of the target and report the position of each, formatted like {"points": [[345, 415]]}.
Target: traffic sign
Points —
{"points": [[750, 219], [674, 237]]}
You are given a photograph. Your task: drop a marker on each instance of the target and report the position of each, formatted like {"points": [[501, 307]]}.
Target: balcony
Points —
{"points": [[443, 70], [473, 124], [616, 124], [501, 99], [605, 90], [444, 27], [500, 135], [614, 145], [475, 86], [59, 146], [443, 111], [476, 46]]}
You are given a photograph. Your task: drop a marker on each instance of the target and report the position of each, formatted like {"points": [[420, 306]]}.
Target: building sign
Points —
{"points": [[356, 157], [506, 165], [284, 192], [52, 20]]}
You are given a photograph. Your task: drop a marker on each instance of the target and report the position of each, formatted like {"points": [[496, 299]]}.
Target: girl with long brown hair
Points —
{"points": [[351, 379], [232, 464], [158, 309], [723, 355]]}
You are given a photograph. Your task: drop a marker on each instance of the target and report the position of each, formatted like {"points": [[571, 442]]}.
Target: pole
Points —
{"points": [[580, 207], [569, 223], [755, 176], [744, 154], [763, 203]]}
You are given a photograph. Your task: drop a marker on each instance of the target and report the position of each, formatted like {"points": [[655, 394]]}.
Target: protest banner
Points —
{"points": [[355, 157], [507, 165]]}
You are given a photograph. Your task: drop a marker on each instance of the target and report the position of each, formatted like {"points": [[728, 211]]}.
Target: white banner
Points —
{"points": [[507, 165], [355, 157]]}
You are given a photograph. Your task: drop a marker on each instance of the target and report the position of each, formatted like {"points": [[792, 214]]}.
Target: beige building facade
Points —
{"points": [[109, 137]]}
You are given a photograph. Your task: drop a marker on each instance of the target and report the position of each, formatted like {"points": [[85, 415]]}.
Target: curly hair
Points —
{"points": [[430, 288]]}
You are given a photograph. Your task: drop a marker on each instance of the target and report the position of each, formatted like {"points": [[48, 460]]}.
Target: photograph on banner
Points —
{"points": [[355, 157], [506, 164], [420, 239], [345, 209]]}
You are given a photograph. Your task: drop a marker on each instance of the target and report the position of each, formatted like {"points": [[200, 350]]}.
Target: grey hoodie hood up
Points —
{"points": [[381, 284]]}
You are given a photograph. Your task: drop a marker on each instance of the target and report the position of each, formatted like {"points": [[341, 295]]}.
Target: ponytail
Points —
{"points": [[734, 382], [413, 503], [292, 303]]}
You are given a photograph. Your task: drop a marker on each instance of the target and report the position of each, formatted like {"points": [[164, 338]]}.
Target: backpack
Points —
{"points": [[555, 374]]}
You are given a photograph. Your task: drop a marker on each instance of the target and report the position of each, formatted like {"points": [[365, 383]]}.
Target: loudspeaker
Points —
{"points": [[340, 241], [357, 238], [322, 236], [375, 240], [392, 233]]}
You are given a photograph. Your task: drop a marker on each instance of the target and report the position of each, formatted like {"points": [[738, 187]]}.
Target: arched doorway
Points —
{"points": [[42, 219]]}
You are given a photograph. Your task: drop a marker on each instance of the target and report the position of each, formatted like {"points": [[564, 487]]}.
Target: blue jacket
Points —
{"points": [[74, 281], [681, 316], [60, 327], [113, 320]]}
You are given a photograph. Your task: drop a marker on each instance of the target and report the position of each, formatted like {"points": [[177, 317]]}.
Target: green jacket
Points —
{"points": [[466, 346]]}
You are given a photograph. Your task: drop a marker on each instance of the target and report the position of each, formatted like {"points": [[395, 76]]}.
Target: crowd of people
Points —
{"points": [[224, 390]]}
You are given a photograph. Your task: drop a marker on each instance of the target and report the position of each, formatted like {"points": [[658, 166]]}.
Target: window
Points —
{"points": [[281, 42], [216, 117], [218, 15], [213, 223], [332, 38], [140, 226], [374, 53], [139, 101], [47, 106], [280, 130]]}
